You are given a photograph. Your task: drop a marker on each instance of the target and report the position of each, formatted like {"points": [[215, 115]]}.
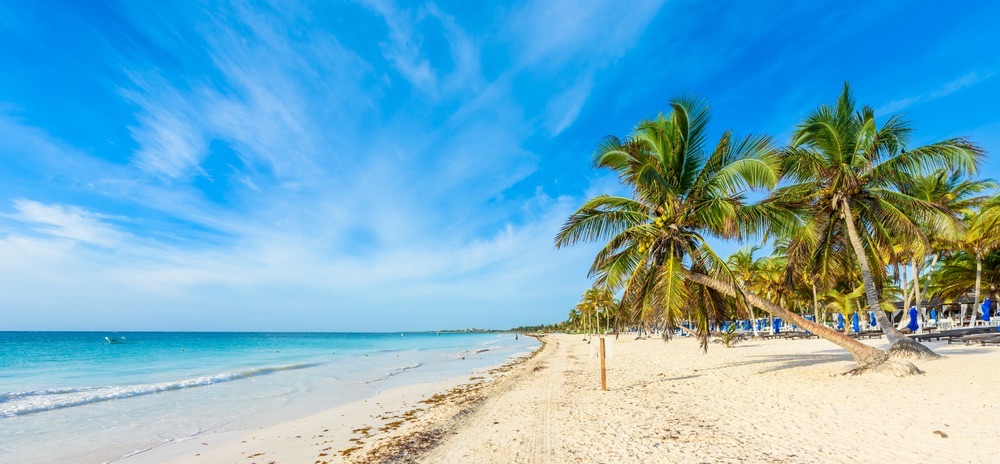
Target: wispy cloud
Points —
{"points": [[945, 90], [171, 142], [290, 166], [549, 33], [66, 222], [326, 199], [565, 107], [403, 47]]}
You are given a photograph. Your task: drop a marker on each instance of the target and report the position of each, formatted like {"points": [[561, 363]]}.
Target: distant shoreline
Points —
{"points": [[387, 419]]}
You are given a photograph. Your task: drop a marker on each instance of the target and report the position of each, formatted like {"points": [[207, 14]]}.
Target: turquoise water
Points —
{"points": [[72, 396]]}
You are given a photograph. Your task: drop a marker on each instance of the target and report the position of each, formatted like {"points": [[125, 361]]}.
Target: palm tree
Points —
{"points": [[957, 194], [585, 309], [574, 318], [981, 237], [960, 271], [744, 267], [600, 301], [683, 191], [847, 170], [844, 303]]}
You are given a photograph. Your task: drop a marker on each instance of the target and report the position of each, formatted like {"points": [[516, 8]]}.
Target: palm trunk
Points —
{"points": [[864, 355], [905, 285], [930, 271], [815, 304], [979, 276], [916, 294], [891, 333], [753, 319]]}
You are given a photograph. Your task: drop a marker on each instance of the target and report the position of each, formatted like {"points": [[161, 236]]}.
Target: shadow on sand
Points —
{"points": [[780, 362]]}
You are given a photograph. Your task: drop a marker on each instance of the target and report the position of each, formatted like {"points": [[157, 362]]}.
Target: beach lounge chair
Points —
{"points": [[994, 340], [868, 334]]}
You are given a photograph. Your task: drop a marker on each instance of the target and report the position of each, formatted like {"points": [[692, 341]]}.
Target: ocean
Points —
{"points": [[75, 397]]}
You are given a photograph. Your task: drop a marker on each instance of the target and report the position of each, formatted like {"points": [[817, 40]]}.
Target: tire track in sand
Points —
{"points": [[527, 397], [542, 436]]}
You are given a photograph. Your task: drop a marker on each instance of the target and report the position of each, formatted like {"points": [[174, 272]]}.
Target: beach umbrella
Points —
{"points": [[758, 325], [934, 315], [777, 325], [872, 322], [840, 322], [986, 310], [913, 326], [855, 324]]}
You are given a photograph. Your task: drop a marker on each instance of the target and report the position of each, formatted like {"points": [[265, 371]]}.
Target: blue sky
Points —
{"points": [[339, 165]]}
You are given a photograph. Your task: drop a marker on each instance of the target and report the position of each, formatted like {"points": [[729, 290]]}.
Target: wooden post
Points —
{"points": [[604, 377]]}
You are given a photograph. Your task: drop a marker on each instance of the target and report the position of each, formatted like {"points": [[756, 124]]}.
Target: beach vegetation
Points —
{"points": [[981, 237], [730, 337], [959, 273], [848, 174], [683, 191], [958, 193], [844, 203]]}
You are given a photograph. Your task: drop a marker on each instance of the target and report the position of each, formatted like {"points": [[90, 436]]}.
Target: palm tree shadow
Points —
{"points": [[791, 361], [971, 349], [685, 377]]}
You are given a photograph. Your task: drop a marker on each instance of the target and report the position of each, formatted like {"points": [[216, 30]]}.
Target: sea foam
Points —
{"points": [[34, 401]]}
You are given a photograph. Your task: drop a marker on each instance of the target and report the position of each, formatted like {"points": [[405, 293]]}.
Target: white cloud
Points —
{"points": [[66, 222], [948, 88], [171, 142], [550, 32], [403, 47], [276, 271], [564, 108], [340, 204]]}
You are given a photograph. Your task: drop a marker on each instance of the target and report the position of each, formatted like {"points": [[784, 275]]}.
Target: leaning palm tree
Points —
{"points": [[847, 171], [683, 191]]}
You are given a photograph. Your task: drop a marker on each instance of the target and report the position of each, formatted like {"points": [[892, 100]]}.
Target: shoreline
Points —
{"points": [[758, 402], [421, 431], [333, 434]]}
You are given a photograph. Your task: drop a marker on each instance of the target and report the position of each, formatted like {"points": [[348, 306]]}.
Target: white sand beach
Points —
{"points": [[761, 401]]}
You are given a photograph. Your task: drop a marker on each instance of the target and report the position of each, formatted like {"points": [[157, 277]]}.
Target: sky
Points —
{"points": [[379, 166]]}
